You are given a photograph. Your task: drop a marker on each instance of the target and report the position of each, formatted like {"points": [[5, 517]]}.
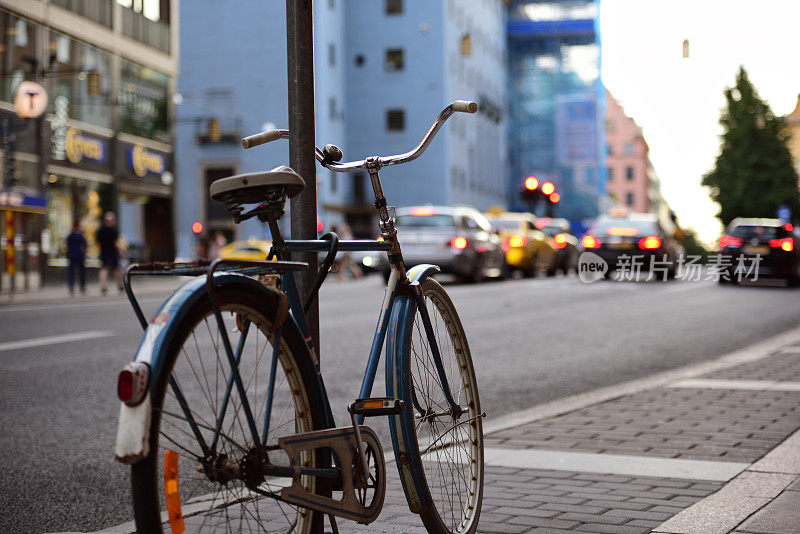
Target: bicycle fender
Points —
{"points": [[397, 386], [418, 273], [133, 428]]}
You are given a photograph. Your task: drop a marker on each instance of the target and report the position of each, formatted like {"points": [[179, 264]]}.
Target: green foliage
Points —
{"points": [[692, 246], [753, 174]]}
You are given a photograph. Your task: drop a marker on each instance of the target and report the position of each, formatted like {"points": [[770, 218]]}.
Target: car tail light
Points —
{"points": [[379, 238], [786, 244], [729, 240], [788, 227], [622, 231], [650, 242], [514, 241], [541, 223], [459, 242], [132, 383], [559, 241], [590, 241]]}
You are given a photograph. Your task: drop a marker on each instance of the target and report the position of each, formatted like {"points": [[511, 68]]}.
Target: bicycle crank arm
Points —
{"points": [[362, 493]]}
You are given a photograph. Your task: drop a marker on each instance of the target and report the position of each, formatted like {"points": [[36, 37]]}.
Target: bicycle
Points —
{"points": [[219, 434]]}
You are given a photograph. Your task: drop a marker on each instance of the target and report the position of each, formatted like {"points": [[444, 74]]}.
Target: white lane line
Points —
{"points": [[790, 350], [752, 385], [614, 464], [76, 304], [55, 340]]}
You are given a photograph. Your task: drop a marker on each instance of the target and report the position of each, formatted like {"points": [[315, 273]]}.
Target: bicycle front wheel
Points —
{"points": [[438, 440], [199, 415]]}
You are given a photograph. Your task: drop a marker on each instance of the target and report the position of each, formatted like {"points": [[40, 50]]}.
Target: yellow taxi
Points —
{"points": [[248, 249], [527, 249]]}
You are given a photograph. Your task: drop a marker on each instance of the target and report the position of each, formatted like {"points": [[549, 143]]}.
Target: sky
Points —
{"points": [[678, 101]]}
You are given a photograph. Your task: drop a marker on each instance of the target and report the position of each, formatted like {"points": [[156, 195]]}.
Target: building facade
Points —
{"points": [[792, 129], [557, 101], [383, 70], [104, 143], [630, 178]]}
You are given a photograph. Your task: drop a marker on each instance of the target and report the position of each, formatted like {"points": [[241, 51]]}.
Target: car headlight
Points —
{"points": [[368, 261]]}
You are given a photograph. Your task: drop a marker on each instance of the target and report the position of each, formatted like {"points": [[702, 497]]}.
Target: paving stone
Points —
{"points": [[612, 529], [639, 514], [542, 522]]}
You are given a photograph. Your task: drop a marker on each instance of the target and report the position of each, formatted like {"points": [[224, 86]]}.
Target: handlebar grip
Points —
{"points": [[259, 139], [465, 106]]}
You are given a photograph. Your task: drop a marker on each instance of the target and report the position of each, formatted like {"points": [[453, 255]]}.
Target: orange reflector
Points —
{"points": [[171, 492], [373, 404]]}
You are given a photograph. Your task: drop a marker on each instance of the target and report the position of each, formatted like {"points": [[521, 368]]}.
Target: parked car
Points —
{"points": [[248, 249], [563, 241], [527, 249], [457, 239], [776, 243], [633, 235]]}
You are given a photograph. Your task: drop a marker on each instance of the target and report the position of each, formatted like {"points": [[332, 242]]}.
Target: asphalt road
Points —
{"points": [[532, 341]]}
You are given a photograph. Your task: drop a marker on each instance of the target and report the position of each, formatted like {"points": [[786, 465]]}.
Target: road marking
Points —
{"points": [[790, 350], [75, 304], [614, 464], [753, 385], [55, 340]]}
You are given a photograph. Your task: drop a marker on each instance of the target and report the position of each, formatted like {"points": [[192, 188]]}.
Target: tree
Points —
{"points": [[753, 174]]}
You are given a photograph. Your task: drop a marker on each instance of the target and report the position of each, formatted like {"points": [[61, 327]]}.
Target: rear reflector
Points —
{"points": [[132, 383]]}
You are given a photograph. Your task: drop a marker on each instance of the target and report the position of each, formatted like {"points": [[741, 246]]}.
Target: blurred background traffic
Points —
{"points": [[136, 106]]}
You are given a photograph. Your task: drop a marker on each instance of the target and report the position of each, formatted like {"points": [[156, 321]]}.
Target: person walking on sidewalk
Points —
{"points": [[76, 254], [107, 238]]}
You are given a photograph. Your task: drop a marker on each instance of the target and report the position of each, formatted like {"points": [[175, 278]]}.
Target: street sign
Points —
{"points": [[785, 213], [30, 100]]}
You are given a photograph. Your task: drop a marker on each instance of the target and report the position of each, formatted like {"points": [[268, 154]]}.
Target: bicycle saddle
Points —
{"points": [[256, 187]]}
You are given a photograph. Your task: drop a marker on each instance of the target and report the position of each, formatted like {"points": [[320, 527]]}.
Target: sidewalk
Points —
{"points": [[710, 448], [59, 293]]}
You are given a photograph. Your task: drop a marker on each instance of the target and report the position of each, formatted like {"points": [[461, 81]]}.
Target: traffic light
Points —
{"points": [[530, 191]]}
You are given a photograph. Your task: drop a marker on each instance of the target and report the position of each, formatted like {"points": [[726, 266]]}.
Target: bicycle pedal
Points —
{"points": [[376, 406]]}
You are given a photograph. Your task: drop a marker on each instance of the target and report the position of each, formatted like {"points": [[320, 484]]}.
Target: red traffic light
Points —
{"points": [[531, 183], [548, 188], [555, 198], [197, 227]]}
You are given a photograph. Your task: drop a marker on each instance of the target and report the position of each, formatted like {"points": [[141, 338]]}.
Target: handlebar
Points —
{"points": [[459, 106]]}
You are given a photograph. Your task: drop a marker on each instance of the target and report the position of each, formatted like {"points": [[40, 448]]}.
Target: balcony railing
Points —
{"points": [[210, 130]]}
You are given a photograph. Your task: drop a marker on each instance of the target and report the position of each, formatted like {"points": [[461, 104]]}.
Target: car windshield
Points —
{"points": [[505, 224], [623, 226], [425, 221]]}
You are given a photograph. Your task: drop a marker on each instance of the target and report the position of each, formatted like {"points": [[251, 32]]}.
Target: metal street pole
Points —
{"points": [[300, 69]]}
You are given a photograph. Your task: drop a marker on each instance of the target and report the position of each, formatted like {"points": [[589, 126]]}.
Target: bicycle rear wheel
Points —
{"points": [[440, 454], [220, 486]]}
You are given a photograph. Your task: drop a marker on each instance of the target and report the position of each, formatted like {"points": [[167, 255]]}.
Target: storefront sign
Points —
{"points": [[79, 147], [143, 162], [30, 100], [59, 126], [21, 202]]}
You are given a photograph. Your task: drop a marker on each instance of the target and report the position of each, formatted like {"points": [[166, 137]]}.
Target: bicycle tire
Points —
{"points": [[438, 446], [211, 505]]}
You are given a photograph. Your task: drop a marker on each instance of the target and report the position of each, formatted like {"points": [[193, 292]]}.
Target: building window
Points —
{"points": [[331, 4], [394, 7], [629, 173], [394, 59], [358, 191], [142, 101], [395, 120], [629, 149], [610, 174], [332, 55], [359, 60], [609, 150], [333, 181], [629, 199], [609, 125], [216, 212], [466, 45], [332, 108]]}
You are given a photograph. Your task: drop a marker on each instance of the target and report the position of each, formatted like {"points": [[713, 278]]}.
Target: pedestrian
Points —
{"points": [[215, 245], [108, 239], [347, 267], [76, 254]]}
